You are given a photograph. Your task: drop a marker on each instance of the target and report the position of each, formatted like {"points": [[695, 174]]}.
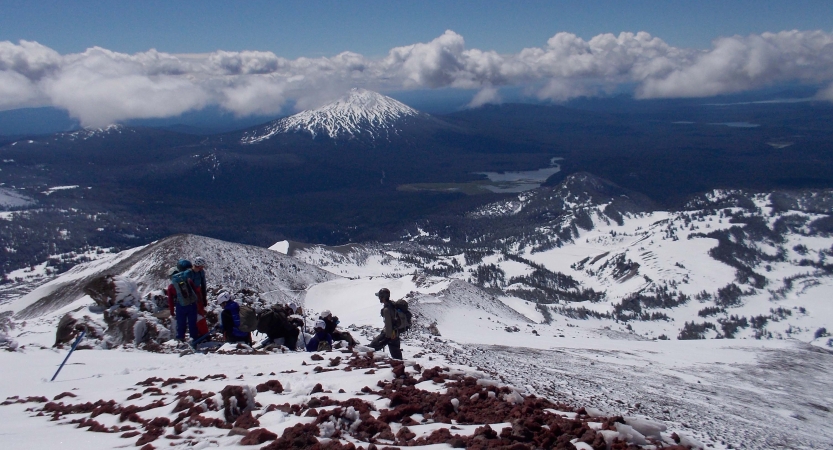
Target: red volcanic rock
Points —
{"points": [[300, 436], [151, 435], [271, 385], [135, 396], [233, 409], [150, 381], [258, 436], [160, 422], [64, 394], [219, 376], [316, 357], [171, 381], [130, 434], [246, 421], [405, 434], [317, 388]]}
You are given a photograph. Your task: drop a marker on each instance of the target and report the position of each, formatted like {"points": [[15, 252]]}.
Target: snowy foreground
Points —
{"points": [[714, 393]]}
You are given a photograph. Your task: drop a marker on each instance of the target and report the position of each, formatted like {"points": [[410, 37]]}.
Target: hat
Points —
{"points": [[325, 313], [173, 271], [223, 297], [383, 294], [293, 307], [320, 324], [183, 265], [199, 261]]}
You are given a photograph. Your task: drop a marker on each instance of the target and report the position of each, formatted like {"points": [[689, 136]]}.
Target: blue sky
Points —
{"points": [[111, 61], [293, 29]]}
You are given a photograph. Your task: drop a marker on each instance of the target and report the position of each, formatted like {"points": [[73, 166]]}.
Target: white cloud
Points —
{"points": [[487, 95], [100, 86]]}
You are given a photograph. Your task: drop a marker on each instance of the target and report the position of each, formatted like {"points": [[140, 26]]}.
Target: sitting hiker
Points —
{"points": [[321, 341], [275, 324], [230, 320], [183, 310], [331, 322]]}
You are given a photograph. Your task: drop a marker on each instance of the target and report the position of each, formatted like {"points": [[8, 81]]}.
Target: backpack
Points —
{"points": [[273, 322], [402, 318], [185, 294], [248, 319]]}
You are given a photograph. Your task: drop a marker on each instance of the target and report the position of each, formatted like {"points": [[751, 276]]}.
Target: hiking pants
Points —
{"points": [[393, 345], [186, 315]]}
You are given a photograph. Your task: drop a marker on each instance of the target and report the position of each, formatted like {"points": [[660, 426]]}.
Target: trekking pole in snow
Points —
{"points": [[75, 344]]}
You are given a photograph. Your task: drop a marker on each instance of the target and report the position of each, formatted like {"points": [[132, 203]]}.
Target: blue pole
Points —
{"points": [[75, 344]]}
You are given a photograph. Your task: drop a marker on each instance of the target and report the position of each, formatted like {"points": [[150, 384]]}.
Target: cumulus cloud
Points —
{"points": [[100, 86]]}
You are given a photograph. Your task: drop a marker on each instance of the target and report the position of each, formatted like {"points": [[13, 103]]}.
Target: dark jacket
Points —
{"points": [[330, 324], [389, 314], [230, 318]]}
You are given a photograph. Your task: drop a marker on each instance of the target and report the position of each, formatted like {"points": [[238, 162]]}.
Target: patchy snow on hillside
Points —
{"points": [[11, 198]]}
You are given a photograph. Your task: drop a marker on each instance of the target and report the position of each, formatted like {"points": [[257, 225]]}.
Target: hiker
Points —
{"points": [[198, 279], [274, 323], [198, 268], [230, 320], [321, 341], [331, 322], [183, 313], [389, 336]]}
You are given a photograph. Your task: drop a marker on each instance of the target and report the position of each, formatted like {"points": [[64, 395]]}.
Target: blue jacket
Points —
{"points": [[312, 345], [230, 318]]}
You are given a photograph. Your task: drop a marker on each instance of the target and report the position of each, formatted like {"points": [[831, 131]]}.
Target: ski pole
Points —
{"points": [[75, 344]]}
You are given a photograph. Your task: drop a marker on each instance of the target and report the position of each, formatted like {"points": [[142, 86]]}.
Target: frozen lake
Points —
{"points": [[506, 182]]}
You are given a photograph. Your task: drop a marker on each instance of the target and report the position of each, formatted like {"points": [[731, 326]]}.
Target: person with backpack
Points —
{"points": [[230, 320], [275, 325], [331, 323], [182, 301], [197, 274], [390, 334], [321, 341]]}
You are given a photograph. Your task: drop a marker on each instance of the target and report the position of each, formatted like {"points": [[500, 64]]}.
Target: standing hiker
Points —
{"points": [[321, 341], [331, 323], [182, 301], [230, 320], [198, 276], [390, 335]]}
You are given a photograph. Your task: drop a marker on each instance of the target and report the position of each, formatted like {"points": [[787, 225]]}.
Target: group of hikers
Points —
{"points": [[282, 324]]}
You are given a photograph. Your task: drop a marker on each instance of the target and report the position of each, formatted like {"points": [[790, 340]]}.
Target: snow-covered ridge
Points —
{"points": [[82, 134], [359, 112]]}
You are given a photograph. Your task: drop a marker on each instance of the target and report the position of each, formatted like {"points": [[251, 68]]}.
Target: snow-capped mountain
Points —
{"points": [[360, 113]]}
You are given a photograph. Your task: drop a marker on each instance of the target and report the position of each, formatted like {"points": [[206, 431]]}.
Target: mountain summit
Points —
{"points": [[359, 113]]}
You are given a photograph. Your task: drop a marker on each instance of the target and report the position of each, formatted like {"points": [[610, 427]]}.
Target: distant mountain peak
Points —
{"points": [[358, 113]]}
